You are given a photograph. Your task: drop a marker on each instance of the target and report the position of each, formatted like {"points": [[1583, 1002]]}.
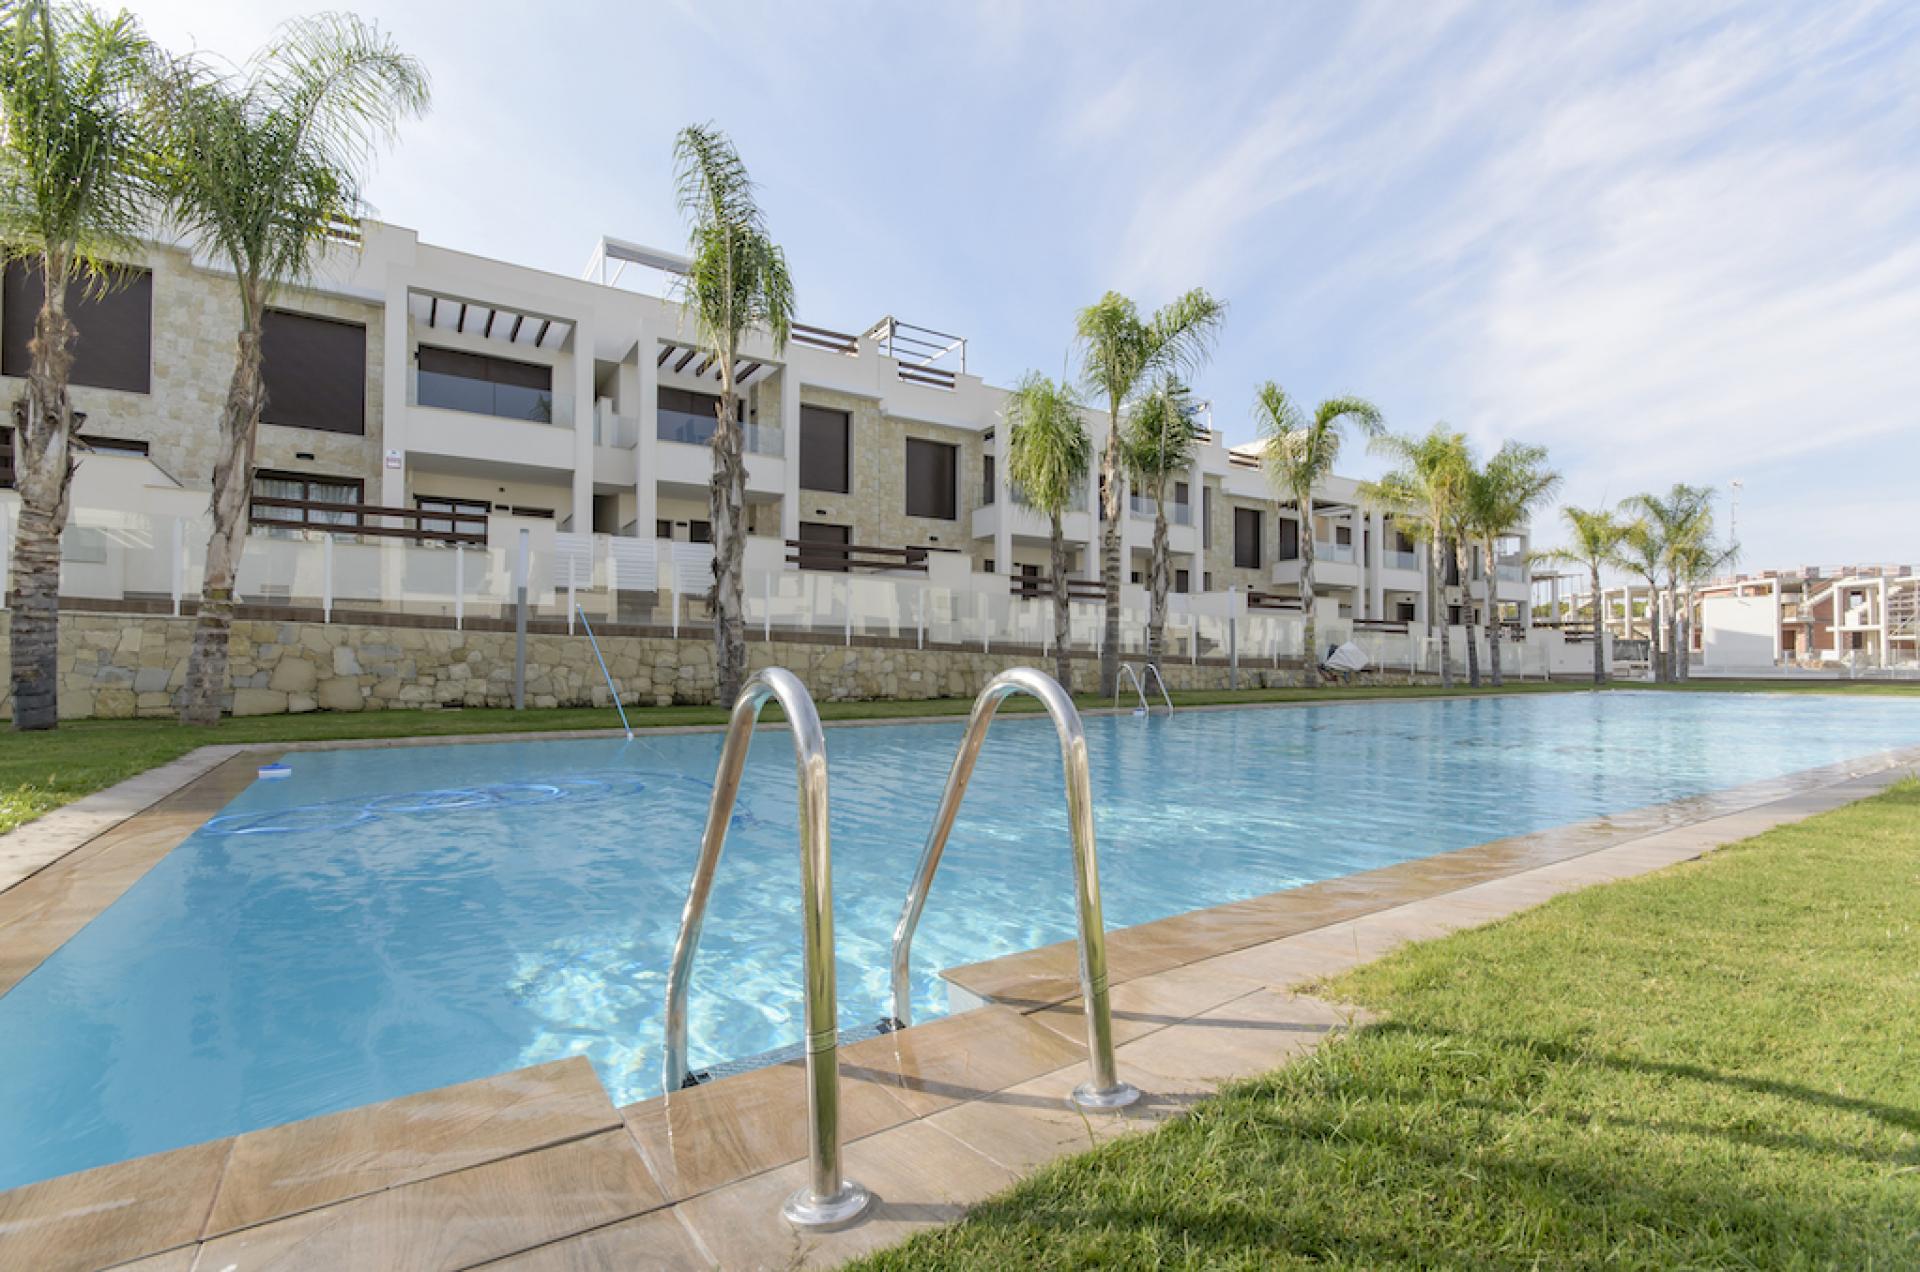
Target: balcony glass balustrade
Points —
{"points": [[446, 392], [696, 429], [619, 431], [1179, 514], [1397, 560], [1077, 503]]}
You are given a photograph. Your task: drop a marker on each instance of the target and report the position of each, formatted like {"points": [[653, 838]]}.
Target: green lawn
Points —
{"points": [[42, 771], [1712, 1067]]}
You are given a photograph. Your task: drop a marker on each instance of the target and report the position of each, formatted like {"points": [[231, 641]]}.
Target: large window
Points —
{"points": [[315, 371], [342, 493], [1248, 525], [824, 450], [457, 381], [932, 479], [114, 349]]}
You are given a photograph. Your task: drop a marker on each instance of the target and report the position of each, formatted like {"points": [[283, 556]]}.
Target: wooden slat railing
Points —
{"points": [[810, 554], [466, 528], [1031, 587], [822, 338], [1273, 601]]}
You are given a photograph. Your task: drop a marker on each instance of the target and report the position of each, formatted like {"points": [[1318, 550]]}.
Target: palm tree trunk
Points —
{"points": [[1311, 628], [726, 505], [232, 489], [1491, 616], [1675, 656], [1465, 559], [1062, 608], [1599, 631], [1657, 631], [1683, 637], [43, 474], [1160, 577], [1437, 609], [1110, 553]]}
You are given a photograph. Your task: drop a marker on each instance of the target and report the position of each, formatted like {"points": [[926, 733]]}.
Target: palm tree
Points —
{"points": [[1299, 455], [263, 166], [1501, 499], [1048, 453], [1595, 545], [1640, 554], [1676, 525], [1424, 492], [74, 194], [1161, 438], [1121, 353], [736, 281]]}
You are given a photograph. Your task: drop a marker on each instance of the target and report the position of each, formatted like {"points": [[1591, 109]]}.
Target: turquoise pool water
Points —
{"points": [[388, 921]]}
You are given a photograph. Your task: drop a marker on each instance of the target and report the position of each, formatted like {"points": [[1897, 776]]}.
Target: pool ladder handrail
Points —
{"points": [[1103, 1090], [828, 1199], [1153, 670]]}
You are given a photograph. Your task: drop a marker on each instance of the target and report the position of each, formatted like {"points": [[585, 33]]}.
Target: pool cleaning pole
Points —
{"points": [[611, 688], [520, 627]]}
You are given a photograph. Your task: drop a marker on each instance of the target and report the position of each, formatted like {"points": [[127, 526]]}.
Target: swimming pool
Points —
{"points": [[389, 921]]}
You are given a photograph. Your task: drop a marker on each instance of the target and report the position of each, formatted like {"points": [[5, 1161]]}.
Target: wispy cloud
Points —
{"points": [[1670, 239]]}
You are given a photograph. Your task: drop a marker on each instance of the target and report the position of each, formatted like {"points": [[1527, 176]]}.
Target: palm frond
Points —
{"points": [[264, 162], [737, 278], [1049, 452], [77, 167]]}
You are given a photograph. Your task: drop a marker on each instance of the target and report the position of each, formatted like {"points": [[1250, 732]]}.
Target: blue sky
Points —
{"points": [[1672, 242]]}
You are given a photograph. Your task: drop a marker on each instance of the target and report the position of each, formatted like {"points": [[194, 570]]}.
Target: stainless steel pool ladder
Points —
{"points": [[827, 1199], [1139, 687], [1103, 1089]]}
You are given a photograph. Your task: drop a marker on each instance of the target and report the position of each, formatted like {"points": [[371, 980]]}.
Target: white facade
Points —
{"points": [[588, 441]]}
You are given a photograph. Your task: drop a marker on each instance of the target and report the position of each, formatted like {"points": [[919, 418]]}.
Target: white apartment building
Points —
{"points": [[430, 396]]}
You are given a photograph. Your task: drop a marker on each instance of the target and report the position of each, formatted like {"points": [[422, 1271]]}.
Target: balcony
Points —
{"points": [[466, 419], [620, 432], [1395, 559], [1334, 552], [696, 429], [445, 392], [1334, 565], [1027, 522], [1179, 514]]}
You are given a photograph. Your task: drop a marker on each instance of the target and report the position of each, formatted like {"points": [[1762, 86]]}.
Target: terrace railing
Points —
{"points": [[842, 558], [417, 525], [316, 561]]}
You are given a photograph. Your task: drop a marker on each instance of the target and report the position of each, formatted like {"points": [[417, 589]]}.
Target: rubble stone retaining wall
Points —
{"points": [[121, 665]]}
